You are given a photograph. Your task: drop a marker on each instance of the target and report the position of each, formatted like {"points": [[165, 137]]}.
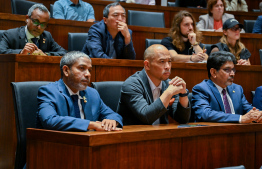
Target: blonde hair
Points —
{"points": [[175, 32], [236, 50]]}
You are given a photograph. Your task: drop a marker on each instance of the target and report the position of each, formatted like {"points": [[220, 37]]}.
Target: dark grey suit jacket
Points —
{"points": [[14, 40], [137, 106]]}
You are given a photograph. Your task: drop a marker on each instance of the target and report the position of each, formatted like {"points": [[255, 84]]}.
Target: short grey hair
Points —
{"points": [[106, 9], [70, 58], [37, 6]]}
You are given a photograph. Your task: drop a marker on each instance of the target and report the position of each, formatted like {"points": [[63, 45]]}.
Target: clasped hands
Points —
{"points": [[253, 115], [176, 85], [31, 48], [105, 125]]}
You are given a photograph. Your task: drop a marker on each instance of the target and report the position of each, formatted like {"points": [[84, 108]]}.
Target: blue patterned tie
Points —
{"points": [[35, 41], [76, 107], [226, 103]]}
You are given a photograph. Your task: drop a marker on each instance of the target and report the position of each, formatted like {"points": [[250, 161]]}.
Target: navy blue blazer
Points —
{"points": [[14, 40], [258, 25], [207, 103], [97, 44], [56, 109], [257, 100]]}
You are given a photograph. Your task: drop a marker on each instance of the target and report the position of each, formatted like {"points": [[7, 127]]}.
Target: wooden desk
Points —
{"points": [[17, 68], [164, 146]]}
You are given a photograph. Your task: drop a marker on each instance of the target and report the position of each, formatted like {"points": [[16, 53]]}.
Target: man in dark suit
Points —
{"points": [[110, 38], [148, 96], [69, 104], [31, 39], [218, 99]]}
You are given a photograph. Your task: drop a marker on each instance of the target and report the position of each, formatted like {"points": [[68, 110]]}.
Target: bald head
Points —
{"points": [[154, 50]]}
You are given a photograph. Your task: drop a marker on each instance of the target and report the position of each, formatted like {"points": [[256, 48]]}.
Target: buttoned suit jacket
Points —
{"points": [[257, 100], [207, 104], [137, 106], [98, 43], [13, 41], [56, 109]]}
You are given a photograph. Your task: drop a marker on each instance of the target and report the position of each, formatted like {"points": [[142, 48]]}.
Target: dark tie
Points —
{"points": [[76, 107], [35, 41], [226, 103]]}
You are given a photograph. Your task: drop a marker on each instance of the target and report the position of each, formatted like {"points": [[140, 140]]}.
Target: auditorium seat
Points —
{"points": [[147, 19], [150, 42], [234, 167], [248, 25], [253, 94], [172, 4], [256, 10], [21, 7], [109, 92], [208, 47], [260, 54], [25, 106], [76, 41], [51, 10]]}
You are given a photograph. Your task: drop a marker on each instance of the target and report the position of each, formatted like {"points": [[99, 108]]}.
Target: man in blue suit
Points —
{"points": [[218, 99], [257, 100], [258, 25], [69, 104], [110, 38]]}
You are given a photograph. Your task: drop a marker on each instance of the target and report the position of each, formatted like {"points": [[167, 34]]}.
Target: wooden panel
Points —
{"points": [[258, 155], [219, 150]]}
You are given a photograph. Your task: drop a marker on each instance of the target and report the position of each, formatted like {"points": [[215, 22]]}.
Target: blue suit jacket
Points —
{"points": [[258, 25], [257, 100], [207, 103], [97, 44], [56, 109]]}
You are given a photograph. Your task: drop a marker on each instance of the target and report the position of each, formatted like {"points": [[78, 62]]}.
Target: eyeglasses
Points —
{"points": [[235, 29], [228, 70], [36, 23]]}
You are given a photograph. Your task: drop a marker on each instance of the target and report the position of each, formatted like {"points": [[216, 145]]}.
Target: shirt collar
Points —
{"points": [[29, 36], [70, 3], [219, 88], [152, 85], [72, 93]]}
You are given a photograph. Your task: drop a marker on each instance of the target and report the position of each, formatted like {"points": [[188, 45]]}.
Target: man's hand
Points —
{"points": [[242, 62], [122, 27], [198, 57], [29, 49], [179, 82], [252, 115], [192, 38], [105, 125], [39, 52]]}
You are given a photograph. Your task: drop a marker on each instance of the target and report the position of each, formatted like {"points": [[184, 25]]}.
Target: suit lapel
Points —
{"points": [[63, 90], [22, 37], [216, 94], [42, 43], [145, 82], [86, 105]]}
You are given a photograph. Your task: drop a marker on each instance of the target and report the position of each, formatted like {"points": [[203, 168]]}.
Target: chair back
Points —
{"points": [[21, 7], [234, 167], [76, 41], [51, 10], [248, 25], [172, 4], [25, 106], [147, 19], [192, 116], [253, 95], [150, 42], [260, 54], [109, 92], [256, 10], [208, 47]]}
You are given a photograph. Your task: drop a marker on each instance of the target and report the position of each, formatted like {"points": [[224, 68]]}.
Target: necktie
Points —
{"points": [[35, 40], [226, 103], [76, 107]]}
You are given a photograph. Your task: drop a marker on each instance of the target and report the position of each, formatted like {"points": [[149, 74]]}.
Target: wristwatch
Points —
{"points": [[184, 94]]}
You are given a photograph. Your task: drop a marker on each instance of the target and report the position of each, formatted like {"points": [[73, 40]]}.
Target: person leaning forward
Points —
{"points": [[69, 104], [32, 38], [148, 96]]}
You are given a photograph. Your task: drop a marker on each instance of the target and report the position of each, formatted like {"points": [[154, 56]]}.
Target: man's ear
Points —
{"points": [[27, 17], [66, 70], [146, 65], [105, 20], [213, 72]]}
